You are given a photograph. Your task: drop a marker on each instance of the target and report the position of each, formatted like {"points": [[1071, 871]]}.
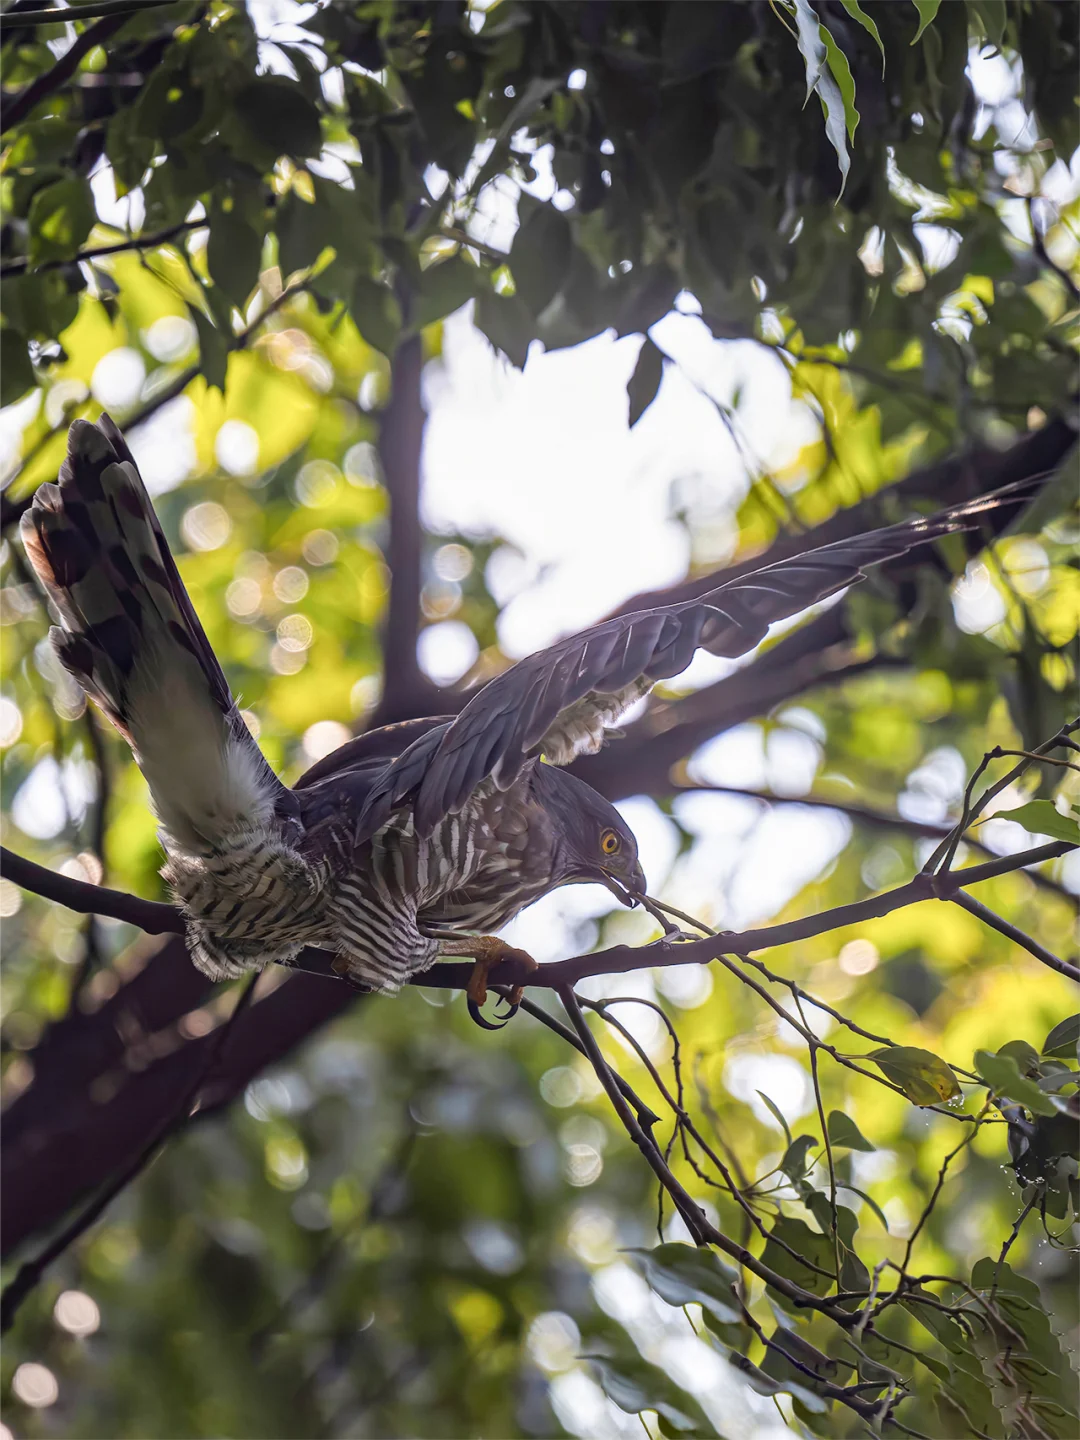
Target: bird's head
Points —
{"points": [[594, 844]]}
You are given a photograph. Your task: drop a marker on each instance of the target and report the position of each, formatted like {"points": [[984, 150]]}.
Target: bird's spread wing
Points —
{"points": [[561, 700]]}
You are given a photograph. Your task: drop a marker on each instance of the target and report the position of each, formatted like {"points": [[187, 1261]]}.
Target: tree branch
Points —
{"points": [[152, 916], [95, 252], [407, 693], [20, 106], [26, 19], [1014, 933], [31, 1272]]}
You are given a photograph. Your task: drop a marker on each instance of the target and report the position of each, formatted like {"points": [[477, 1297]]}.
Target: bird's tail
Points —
{"points": [[131, 638]]}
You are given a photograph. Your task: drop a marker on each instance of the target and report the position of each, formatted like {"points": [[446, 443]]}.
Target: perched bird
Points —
{"points": [[413, 841]]}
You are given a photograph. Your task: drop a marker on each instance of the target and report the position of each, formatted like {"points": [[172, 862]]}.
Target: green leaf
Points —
{"points": [[645, 381], [923, 1077], [819, 77], [942, 1326], [785, 1346], [377, 314], [233, 254], [841, 73], [843, 1131], [874, 1206], [806, 1243], [688, 1275], [1063, 1038], [278, 118], [796, 1163], [213, 350], [772, 1108], [507, 324], [60, 218], [927, 10], [636, 1386], [1042, 817], [16, 372], [766, 1385], [857, 13], [991, 15], [540, 257], [1003, 1074], [444, 288]]}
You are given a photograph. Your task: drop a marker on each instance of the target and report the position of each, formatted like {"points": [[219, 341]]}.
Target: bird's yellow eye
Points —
{"points": [[609, 842]]}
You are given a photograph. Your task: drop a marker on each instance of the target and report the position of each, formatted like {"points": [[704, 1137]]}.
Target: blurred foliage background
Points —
{"points": [[241, 230]]}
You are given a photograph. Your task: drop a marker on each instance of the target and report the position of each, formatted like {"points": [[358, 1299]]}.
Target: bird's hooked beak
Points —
{"points": [[628, 890]]}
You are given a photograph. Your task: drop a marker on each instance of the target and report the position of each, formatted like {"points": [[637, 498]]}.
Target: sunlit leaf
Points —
{"points": [[857, 13], [1042, 817], [927, 11], [923, 1077]]}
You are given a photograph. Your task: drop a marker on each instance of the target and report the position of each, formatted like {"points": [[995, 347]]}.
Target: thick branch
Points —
{"points": [[149, 915], [406, 692]]}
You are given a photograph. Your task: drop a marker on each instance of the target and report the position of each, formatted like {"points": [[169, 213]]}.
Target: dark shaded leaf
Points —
{"points": [[540, 257], [60, 219], [689, 1275], [507, 324], [1003, 1075], [278, 117], [377, 314], [213, 350], [645, 381], [806, 1243], [843, 1131], [233, 254], [1063, 1038], [636, 1386], [16, 372]]}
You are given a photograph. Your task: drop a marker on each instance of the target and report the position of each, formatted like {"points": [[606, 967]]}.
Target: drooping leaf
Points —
{"points": [[923, 1076], [1063, 1038], [233, 254], [16, 372], [796, 1162], [507, 324], [1042, 817], [637, 1386], [820, 78], [841, 73], [540, 257], [213, 350], [785, 1346], [927, 11], [444, 288], [645, 381], [688, 1274], [1003, 1074], [858, 14], [377, 314], [766, 1385], [843, 1131]]}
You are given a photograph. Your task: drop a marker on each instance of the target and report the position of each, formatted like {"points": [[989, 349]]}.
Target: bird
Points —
{"points": [[413, 841]]}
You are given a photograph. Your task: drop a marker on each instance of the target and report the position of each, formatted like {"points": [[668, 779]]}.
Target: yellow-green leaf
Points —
{"points": [[922, 1075]]}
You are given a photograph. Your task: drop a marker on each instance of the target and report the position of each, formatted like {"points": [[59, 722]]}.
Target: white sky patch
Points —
{"points": [[164, 446]]}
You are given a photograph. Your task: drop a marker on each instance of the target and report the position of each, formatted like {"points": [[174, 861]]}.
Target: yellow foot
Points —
{"points": [[489, 951]]}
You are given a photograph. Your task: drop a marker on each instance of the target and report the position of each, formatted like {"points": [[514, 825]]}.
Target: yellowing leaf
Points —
{"points": [[923, 1077]]}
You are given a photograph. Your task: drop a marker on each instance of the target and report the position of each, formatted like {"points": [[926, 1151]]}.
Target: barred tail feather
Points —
{"points": [[131, 638]]}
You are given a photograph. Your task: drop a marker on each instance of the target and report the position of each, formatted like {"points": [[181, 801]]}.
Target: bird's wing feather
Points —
{"points": [[561, 700]]}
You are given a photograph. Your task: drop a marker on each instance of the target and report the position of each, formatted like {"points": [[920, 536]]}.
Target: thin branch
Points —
{"points": [[26, 19], [21, 105], [95, 252], [31, 1272], [1015, 934]]}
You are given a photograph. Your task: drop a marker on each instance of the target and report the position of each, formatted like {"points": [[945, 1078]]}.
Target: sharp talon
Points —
{"points": [[512, 1008], [474, 1012]]}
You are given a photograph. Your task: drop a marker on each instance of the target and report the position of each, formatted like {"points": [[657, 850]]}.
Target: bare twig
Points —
{"points": [[98, 9], [1015, 934], [95, 252]]}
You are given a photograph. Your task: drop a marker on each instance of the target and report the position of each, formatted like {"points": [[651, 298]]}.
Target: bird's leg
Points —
{"points": [[488, 950]]}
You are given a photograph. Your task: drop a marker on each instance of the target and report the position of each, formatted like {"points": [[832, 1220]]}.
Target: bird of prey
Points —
{"points": [[416, 840]]}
